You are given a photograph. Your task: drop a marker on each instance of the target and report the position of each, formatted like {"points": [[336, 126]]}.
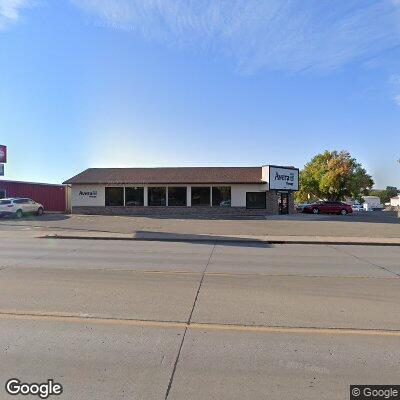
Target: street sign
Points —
{"points": [[1, 169], [3, 154]]}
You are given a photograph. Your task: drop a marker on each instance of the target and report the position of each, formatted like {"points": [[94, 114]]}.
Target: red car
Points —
{"points": [[328, 207]]}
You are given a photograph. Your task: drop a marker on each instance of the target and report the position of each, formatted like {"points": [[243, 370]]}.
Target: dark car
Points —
{"points": [[328, 207]]}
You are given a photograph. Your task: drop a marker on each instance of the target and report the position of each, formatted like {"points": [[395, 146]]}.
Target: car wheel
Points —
{"points": [[39, 211], [343, 212], [18, 214], [315, 210]]}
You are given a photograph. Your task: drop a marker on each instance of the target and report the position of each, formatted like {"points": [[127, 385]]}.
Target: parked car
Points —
{"points": [[225, 203], [299, 207], [18, 207], [358, 207], [328, 207]]}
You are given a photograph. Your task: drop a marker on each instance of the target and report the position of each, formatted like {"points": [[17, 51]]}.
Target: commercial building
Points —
{"points": [[395, 201], [55, 198], [185, 191]]}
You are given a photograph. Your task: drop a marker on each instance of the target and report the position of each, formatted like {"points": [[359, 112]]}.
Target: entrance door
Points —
{"points": [[2, 193], [283, 202]]}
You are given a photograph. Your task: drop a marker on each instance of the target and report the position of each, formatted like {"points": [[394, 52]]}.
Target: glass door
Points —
{"points": [[283, 202]]}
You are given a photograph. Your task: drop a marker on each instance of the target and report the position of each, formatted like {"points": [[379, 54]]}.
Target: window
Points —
{"points": [[2, 193], [201, 196], [256, 200], [177, 196], [114, 196], [134, 196], [221, 196], [5, 202], [157, 196], [22, 201]]}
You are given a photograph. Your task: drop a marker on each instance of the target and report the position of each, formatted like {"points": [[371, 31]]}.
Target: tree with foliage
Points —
{"points": [[385, 195], [333, 176]]}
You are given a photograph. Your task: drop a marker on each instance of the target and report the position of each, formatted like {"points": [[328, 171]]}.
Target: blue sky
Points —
{"points": [[92, 83]]}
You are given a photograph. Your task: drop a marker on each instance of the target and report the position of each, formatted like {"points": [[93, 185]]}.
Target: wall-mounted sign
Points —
{"points": [[92, 194], [1, 169], [283, 178], [3, 154]]}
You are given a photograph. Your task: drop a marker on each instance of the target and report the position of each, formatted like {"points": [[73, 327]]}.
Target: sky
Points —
{"points": [[144, 83]]}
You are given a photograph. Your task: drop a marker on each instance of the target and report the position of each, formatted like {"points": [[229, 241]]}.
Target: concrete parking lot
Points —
{"points": [[372, 224], [155, 320]]}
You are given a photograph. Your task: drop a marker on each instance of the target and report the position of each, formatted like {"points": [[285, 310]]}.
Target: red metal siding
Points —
{"points": [[53, 197]]}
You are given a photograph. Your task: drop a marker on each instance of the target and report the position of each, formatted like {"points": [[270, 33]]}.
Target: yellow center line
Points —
{"points": [[234, 274], [195, 273], [86, 319]]}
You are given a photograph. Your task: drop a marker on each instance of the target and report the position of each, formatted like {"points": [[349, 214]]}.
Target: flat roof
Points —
{"points": [[179, 175], [30, 183]]}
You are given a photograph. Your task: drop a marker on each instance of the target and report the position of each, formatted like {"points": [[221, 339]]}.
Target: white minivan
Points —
{"points": [[19, 206]]}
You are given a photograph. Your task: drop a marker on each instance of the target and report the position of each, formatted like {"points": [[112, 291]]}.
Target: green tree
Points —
{"points": [[384, 195], [333, 176]]}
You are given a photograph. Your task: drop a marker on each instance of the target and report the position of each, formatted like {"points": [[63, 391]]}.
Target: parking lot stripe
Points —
{"points": [[63, 317]]}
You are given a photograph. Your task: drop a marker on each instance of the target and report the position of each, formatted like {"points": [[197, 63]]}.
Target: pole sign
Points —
{"points": [[1, 169], [283, 178], [3, 154]]}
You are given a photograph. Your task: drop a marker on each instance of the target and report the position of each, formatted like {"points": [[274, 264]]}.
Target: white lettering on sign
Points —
{"points": [[91, 193]]}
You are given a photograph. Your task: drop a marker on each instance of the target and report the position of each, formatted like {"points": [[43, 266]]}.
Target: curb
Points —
{"points": [[222, 240]]}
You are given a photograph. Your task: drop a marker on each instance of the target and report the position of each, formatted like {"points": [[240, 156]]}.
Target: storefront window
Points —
{"points": [[201, 196], [221, 196], [134, 196], [157, 196], [114, 196], [177, 196], [256, 200]]}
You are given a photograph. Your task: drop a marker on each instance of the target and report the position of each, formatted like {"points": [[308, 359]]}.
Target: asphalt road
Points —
{"points": [[156, 320]]}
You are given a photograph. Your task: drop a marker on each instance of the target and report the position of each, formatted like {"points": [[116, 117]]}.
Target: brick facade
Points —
{"points": [[171, 211]]}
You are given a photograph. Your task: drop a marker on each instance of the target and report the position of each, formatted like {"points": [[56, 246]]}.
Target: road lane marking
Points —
{"points": [[196, 273], [63, 317], [299, 330], [234, 274], [87, 319]]}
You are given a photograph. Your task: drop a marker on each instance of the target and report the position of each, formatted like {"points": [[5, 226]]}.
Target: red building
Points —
{"points": [[53, 197]]}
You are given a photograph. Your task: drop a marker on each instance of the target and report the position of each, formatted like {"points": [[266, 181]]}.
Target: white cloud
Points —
{"points": [[286, 35], [397, 99], [10, 10]]}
